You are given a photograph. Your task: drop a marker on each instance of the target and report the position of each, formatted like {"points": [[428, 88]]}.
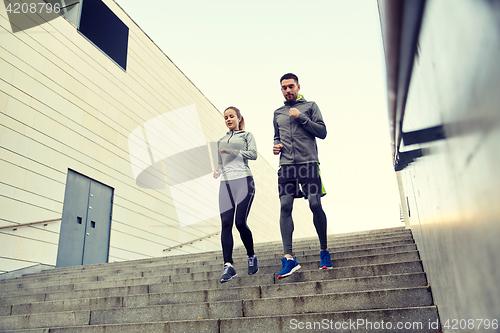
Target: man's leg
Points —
{"points": [[287, 189], [319, 218], [288, 263], [286, 223], [314, 190]]}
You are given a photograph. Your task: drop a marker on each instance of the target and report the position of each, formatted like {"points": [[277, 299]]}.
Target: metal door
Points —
{"points": [[86, 222], [96, 248]]}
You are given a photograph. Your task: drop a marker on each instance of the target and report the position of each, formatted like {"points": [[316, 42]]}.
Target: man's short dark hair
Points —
{"points": [[289, 76]]}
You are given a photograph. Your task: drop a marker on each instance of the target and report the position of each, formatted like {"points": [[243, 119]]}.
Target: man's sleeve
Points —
{"points": [[277, 139], [313, 124]]}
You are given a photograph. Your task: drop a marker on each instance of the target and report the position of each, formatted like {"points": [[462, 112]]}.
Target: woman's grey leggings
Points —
{"points": [[286, 221]]}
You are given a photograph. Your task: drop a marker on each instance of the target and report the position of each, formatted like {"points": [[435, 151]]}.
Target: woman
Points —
{"points": [[236, 189]]}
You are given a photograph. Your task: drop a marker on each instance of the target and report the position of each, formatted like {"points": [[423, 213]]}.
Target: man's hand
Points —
{"points": [[294, 113], [216, 174], [224, 151], [277, 149]]}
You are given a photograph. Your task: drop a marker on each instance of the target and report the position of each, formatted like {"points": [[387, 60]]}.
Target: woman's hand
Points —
{"points": [[224, 151], [216, 174]]}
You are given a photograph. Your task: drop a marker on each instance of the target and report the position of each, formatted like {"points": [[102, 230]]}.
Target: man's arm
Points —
{"points": [[315, 125], [277, 141]]}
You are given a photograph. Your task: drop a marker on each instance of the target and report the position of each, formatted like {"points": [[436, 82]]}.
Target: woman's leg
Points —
{"points": [[245, 192], [226, 208]]}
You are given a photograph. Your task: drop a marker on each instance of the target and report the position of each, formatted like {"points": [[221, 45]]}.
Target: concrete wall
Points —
{"points": [[453, 191], [65, 105]]}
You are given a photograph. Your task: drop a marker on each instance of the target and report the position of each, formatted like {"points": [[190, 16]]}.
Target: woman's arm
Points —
{"points": [[251, 147]]}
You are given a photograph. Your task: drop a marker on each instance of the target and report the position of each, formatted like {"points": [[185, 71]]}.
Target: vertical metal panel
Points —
{"points": [[96, 249], [74, 220]]}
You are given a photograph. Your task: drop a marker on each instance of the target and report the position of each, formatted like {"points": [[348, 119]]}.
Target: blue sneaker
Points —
{"points": [[228, 273], [288, 266], [326, 261]]}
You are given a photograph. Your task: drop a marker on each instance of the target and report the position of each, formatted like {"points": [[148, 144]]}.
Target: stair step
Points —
{"points": [[298, 245], [263, 260], [416, 319], [167, 277], [219, 294], [94, 275], [350, 301], [191, 282], [377, 279], [265, 265]]}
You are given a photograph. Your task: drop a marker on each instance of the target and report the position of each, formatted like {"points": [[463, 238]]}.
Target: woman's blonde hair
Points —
{"points": [[238, 114]]}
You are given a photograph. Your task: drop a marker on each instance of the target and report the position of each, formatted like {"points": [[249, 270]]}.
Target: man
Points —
{"points": [[296, 126]]}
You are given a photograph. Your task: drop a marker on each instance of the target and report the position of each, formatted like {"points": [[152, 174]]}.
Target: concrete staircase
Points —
{"points": [[377, 281]]}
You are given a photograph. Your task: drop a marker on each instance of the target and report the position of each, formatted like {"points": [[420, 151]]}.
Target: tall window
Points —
{"points": [[99, 25], [105, 30]]}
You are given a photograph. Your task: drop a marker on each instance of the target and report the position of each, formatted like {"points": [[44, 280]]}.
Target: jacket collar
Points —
{"points": [[234, 132], [299, 99]]}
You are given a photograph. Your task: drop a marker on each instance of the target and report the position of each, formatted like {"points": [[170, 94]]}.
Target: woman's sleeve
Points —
{"points": [[251, 148], [219, 158]]}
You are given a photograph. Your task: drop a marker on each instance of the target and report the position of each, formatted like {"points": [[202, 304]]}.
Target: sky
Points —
{"points": [[234, 52]]}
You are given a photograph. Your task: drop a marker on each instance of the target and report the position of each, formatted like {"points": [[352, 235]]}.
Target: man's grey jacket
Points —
{"points": [[298, 135]]}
